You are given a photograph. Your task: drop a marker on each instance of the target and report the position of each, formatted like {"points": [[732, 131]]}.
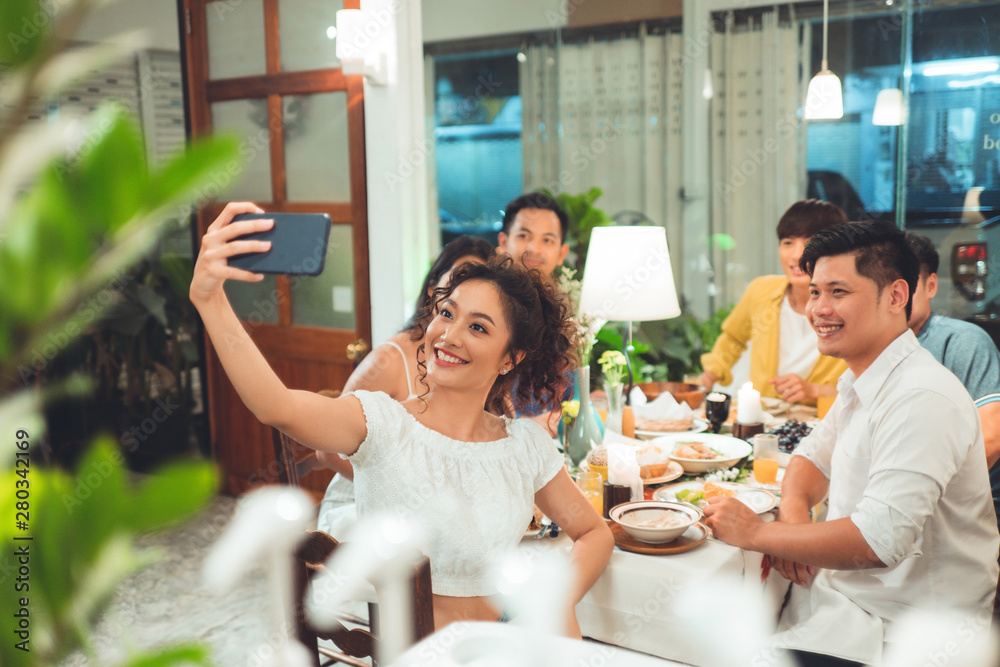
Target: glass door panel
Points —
{"points": [[235, 39], [248, 120], [255, 303], [317, 161], [327, 300], [308, 35]]}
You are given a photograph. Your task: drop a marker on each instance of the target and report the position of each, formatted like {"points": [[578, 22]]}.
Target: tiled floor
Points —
{"points": [[166, 603]]}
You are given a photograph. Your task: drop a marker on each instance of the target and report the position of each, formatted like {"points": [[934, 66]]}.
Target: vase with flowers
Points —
{"points": [[613, 369], [585, 431]]}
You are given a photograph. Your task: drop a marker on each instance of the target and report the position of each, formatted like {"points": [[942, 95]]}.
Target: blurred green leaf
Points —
{"points": [[174, 493], [583, 218], [724, 241], [24, 26], [110, 179], [215, 157], [174, 655], [82, 527]]}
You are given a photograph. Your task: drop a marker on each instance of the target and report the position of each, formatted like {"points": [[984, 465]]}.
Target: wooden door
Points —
{"points": [[267, 71]]}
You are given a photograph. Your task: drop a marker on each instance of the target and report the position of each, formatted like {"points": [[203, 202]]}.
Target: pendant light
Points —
{"points": [[825, 97], [888, 107]]}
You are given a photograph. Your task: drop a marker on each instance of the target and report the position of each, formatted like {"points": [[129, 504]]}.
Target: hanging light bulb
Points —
{"points": [[888, 107], [825, 97]]}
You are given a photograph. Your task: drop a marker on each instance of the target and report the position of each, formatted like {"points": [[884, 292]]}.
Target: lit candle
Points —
{"points": [[748, 409]]}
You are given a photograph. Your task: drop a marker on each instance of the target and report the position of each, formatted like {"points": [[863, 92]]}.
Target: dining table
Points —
{"points": [[672, 605], [650, 603]]}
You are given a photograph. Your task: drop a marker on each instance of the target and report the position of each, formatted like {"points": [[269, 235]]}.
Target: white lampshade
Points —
{"points": [[888, 107], [628, 277], [825, 97]]}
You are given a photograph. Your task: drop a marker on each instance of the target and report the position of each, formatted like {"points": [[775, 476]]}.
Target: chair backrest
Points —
{"points": [[295, 460], [356, 643]]}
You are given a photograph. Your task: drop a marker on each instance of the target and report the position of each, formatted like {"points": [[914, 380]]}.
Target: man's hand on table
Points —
{"points": [[732, 521]]}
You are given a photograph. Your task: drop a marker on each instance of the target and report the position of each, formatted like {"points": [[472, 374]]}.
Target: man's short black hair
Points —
{"points": [[805, 218], [537, 200], [881, 253], [926, 253]]}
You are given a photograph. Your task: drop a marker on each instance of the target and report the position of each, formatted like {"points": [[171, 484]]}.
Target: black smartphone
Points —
{"points": [[298, 244]]}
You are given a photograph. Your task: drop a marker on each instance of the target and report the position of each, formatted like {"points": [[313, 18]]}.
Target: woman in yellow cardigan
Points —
{"points": [[785, 362]]}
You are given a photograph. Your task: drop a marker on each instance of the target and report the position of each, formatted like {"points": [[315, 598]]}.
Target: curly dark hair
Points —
{"points": [[539, 319]]}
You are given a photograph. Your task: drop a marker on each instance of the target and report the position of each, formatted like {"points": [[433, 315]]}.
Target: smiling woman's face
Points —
{"points": [[467, 339]]}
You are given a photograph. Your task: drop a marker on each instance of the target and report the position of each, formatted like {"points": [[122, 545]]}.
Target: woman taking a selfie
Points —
{"points": [[443, 457]]}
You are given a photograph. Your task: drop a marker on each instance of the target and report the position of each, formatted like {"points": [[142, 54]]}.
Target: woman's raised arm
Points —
{"points": [[328, 424]]}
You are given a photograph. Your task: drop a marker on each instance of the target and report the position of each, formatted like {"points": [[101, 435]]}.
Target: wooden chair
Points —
{"points": [[356, 643]]}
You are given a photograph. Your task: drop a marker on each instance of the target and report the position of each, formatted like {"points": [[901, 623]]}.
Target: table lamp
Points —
{"points": [[628, 278]]}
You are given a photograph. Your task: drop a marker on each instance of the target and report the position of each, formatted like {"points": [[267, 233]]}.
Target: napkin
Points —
{"points": [[623, 469], [664, 407], [636, 397]]}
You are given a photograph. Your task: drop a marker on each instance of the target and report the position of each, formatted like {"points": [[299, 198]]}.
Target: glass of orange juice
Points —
{"points": [[592, 485], [765, 458]]}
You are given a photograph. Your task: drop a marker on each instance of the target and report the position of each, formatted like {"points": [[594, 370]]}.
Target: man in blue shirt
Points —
{"points": [[964, 349]]}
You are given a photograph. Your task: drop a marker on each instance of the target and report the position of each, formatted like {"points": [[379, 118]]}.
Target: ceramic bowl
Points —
{"points": [[731, 450], [629, 515]]}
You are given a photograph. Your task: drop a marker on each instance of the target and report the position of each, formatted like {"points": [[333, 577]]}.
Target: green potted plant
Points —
{"points": [[583, 217], [87, 214]]}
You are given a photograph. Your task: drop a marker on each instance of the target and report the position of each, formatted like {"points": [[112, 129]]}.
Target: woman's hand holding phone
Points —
{"points": [[212, 268]]}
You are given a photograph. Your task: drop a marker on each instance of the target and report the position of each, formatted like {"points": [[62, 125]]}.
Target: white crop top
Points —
{"points": [[475, 498]]}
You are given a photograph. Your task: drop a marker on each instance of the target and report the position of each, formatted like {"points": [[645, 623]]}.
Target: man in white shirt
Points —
{"points": [[910, 522]]}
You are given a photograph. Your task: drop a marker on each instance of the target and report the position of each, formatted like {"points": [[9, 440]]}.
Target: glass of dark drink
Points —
{"points": [[717, 409]]}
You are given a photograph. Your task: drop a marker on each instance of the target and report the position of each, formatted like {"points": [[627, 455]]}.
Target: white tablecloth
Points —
{"points": [[642, 602]]}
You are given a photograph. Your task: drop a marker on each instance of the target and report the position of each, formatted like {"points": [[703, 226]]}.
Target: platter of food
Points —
{"points": [[696, 493], [673, 471], [704, 452], [698, 425]]}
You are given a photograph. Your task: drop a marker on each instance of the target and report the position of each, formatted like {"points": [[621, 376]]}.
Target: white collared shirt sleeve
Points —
{"points": [[905, 483]]}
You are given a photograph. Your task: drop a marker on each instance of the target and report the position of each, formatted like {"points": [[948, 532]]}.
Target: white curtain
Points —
{"points": [[757, 143], [608, 114]]}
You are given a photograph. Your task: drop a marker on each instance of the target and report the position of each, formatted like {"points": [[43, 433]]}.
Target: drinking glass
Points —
{"points": [[717, 409], [765, 458], [592, 485]]}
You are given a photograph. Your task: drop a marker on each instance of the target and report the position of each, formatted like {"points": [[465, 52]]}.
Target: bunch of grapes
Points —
{"points": [[790, 433]]}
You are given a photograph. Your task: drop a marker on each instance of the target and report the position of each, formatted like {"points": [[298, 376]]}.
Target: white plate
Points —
{"points": [[756, 499], [732, 450], [700, 425], [674, 471]]}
